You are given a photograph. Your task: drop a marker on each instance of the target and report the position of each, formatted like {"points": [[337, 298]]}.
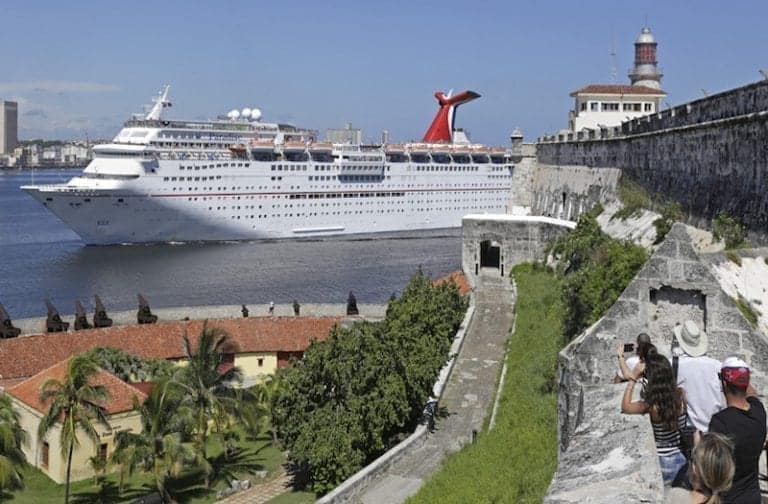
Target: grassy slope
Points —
{"points": [[515, 461]]}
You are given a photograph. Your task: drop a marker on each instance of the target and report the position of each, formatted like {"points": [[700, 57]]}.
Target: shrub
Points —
{"points": [[351, 396], [748, 311], [670, 213], [598, 269], [727, 229], [633, 197]]}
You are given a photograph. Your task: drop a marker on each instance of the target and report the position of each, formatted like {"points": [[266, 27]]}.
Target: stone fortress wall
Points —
{"points": [[708, 154]]}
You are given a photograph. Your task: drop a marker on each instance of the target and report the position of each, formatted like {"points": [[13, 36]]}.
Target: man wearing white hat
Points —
{"points": [[697, 374]]}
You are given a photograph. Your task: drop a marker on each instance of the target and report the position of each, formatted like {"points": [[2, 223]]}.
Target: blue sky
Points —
{"points": [[86, 66]]}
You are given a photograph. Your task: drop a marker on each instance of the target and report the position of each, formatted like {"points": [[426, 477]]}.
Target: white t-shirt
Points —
{"points": [[631, 363], [703, 392]]}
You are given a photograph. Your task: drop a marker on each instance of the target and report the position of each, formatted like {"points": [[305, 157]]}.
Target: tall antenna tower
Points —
{"points": [[613, 58]]}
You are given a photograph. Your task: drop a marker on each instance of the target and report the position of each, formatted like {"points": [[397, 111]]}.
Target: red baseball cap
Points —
{"points": [[735, 371]]}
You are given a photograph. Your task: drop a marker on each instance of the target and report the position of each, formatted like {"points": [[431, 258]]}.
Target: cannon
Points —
{"points": [[81, 320], [7, 330], [145, 315], [352, 305], [245, 311], [296, 307], [100, 318], [53, 322]]}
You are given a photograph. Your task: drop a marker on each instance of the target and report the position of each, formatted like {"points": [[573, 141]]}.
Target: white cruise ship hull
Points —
{"points": [[245, 203]]}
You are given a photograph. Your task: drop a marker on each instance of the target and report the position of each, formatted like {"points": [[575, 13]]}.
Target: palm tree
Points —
{"points": [[11, 436], [265, 393], [207, 386], [158, 447], [77, 403]]}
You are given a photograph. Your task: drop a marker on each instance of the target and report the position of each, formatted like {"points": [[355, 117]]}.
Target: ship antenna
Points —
{"points": [[613, 58], [160, 102]]}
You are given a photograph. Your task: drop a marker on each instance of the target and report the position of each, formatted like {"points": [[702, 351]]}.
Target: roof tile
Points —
{"points": [[27, 355]]}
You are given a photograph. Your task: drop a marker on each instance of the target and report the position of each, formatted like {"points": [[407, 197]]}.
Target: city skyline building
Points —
{"points": [[9, 126]]}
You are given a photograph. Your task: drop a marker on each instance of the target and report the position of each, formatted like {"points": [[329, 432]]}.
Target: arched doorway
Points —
{"points": [[490, 252]]}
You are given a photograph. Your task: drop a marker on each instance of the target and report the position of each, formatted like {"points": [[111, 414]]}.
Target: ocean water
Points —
{"points": [[41, 258]]}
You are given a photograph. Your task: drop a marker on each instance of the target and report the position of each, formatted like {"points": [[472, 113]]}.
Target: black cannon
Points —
{"points": [[7, 330], [81, 320], [53, 322], [145, 315], [100, 318], [352, 305], [245, 311]]}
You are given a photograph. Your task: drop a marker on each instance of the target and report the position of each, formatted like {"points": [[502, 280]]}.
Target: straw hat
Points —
{"points": [[692, 341]]}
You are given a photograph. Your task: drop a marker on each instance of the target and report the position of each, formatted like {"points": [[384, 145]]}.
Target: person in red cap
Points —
{"points": [[743, 420]]}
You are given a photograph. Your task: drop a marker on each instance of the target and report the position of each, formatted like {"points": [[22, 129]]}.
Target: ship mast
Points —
{"points": [[160, 102]]}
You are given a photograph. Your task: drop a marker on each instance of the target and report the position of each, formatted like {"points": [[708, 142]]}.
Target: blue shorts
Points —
{"points": [[670, 466]]}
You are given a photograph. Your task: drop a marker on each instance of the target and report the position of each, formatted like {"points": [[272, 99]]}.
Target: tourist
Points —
{"points": [[711, 472], [665, 404], [697, 374], [271, 307], [642, 346], [744, 422]]}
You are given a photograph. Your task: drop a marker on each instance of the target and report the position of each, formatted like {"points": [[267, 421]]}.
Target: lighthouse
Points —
{"points": [[645, 72]]}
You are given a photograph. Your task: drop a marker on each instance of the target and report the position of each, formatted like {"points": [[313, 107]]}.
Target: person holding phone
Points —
{"points": [[626, 365]]}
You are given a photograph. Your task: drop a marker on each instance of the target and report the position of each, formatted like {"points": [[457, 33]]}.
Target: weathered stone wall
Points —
{"points": [[709, 155], [565, 192], [674, 285], [519, 238]]}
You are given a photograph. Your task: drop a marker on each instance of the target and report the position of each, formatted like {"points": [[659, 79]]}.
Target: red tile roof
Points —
{"points": [[27, 355], [120, 393], [623, 89], [460, 280]]}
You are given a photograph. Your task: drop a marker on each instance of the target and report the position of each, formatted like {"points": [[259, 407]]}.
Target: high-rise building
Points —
{"points": [[348, 135], [9, 126]]}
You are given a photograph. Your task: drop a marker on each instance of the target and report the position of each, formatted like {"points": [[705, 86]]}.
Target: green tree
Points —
{"points": [[351, 396], [77, 403], [265, 393], [207, 386], [158, 448], [129, 367], [11, 437]]}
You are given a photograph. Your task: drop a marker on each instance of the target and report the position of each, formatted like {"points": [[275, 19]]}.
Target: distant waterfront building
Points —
{"points": [[603, 106], [347, 135], [9, 126]]}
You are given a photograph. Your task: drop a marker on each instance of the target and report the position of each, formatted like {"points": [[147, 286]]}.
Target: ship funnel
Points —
{"points": [[441, 129]]}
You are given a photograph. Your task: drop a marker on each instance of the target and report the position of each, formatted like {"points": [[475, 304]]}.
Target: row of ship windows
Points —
{"points": [[219, 165], [415, 186], [345, 195], [328, 167], [354, 212]]}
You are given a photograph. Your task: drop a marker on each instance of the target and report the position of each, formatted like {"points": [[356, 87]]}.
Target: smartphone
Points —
{"points": [[629, 347]]}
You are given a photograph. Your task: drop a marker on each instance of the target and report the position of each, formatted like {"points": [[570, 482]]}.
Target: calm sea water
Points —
{"points": [[41, 258]]}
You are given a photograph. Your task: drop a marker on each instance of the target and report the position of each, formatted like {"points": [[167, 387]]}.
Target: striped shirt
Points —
{"points": [[668, 442]]}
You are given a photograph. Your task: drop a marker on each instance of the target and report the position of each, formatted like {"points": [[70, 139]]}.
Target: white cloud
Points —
{"points": [[53, 86]]}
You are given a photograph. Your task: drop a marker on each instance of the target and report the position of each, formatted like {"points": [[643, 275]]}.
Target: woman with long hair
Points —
{"points": [[711, 471], [665, 404]]}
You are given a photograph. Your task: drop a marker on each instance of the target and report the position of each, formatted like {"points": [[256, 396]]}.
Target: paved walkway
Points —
{"points": [[468, 396], [258, 494]]}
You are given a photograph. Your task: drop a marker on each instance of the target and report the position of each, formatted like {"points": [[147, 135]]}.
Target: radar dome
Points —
{"points": [[246, 112], [233, 114], [255, 114]]}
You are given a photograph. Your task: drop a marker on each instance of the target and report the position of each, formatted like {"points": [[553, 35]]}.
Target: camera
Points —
{"points": [[629, 347]]}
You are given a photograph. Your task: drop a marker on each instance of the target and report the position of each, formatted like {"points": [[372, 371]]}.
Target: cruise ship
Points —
{"points": [[241, 178]]}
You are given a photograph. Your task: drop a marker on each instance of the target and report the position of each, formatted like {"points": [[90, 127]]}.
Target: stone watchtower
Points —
{"points": [[645, 72]]}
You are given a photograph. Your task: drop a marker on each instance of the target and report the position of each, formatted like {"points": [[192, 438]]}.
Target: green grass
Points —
{"points": [[256, 455], [295, 497], [515, 461]]}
